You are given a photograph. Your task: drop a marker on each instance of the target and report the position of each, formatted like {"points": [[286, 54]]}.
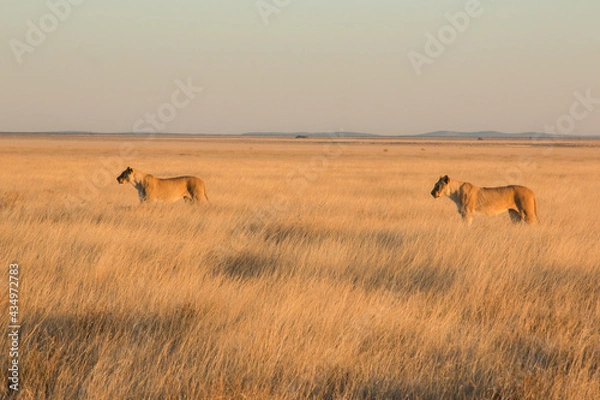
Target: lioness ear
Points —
{"points": [[129, 169], [446, 179]]}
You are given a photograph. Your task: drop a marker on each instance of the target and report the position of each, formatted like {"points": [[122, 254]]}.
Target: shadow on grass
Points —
{"points": [[395, 278], [297, 234], [59, 354], [245, 264]]}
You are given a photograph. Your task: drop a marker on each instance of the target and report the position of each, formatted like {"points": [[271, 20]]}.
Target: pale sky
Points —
{"points": [[299, 65]]}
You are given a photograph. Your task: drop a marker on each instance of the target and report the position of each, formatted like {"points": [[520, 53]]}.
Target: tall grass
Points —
{"points": [[318, 271]]}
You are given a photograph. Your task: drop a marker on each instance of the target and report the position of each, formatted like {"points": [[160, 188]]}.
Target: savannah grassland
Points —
{"points": [[322, 268]]}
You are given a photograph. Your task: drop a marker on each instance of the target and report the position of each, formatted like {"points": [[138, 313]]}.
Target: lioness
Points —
{"points": [[168, 190], [472, 200]]}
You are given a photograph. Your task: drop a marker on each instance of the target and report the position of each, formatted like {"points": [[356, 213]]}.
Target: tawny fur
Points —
{"points": [[152, 189], [472, 200]]}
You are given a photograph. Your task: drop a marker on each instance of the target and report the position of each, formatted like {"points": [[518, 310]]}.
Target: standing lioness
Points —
{"points": [[472, 200], [168, 190]]}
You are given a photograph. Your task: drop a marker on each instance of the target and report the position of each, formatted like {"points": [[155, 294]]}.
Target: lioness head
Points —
{"points": [[125, 175], [441, 187]]}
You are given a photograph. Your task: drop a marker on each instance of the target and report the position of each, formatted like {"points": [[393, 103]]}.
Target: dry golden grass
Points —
{"points": [[321, 269]]}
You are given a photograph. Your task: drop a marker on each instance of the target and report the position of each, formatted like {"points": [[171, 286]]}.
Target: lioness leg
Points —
{"points": [[526, 206], [529, 212], [467, 218], [193, 198], [529, 217], [196, 191], [515, 216], [199, 196]]}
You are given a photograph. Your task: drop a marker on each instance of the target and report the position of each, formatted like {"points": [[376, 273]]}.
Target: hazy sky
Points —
{"points": [[300, 65]]}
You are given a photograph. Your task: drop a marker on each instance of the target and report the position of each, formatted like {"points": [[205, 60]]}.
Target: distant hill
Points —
{"points": [[488, 134]]}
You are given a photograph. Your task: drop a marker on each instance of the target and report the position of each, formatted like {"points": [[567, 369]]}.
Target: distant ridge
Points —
{"points": [[311, 134], [490, 134], [435, 134]]}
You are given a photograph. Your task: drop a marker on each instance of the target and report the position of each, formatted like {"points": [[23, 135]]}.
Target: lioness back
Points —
{"points": [[172, 189]]}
